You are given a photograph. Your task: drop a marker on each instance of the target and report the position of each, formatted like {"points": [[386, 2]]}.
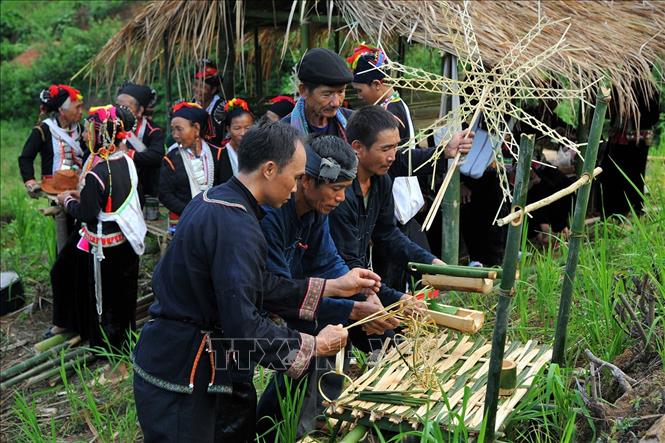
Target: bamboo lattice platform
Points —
{"points": [[461, 362]]}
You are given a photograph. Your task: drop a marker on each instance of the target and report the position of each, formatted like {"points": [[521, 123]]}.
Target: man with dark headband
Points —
{"points": [[194, 361], [323, 76], [300, 246]]}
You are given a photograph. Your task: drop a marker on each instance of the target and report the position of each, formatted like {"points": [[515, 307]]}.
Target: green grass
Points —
{"points": [[27, 238], [621, 247]]}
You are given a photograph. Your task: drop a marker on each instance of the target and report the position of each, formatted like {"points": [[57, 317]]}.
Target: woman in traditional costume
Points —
{"points": [[191, 165], [146, 144], [208, 93], [239, 119], [56, 139], [113, 230]]}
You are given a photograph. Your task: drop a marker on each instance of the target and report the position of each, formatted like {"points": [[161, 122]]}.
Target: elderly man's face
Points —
{"points": [[323, 101]]}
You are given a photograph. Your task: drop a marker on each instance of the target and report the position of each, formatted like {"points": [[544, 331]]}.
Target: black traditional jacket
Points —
{"points": [[212, 283]]}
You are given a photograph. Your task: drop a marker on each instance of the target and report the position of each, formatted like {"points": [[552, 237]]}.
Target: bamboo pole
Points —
{"points": [[41, 368], [507, 284], [36, 359], [577, 228], [450, 208], [452, 168], [69, 365], [355, 434], [456, 271], [55, 340], [583, 180]]}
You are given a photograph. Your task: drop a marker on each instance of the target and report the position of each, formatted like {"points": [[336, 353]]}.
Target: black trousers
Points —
{"points": [[199, 417]]}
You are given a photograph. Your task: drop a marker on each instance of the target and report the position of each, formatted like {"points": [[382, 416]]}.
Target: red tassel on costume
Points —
{"points": [[108, 205]]}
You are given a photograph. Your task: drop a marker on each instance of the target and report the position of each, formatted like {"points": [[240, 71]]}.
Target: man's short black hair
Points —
{"points": [[366, 123], [329, 146], [274, 141]]}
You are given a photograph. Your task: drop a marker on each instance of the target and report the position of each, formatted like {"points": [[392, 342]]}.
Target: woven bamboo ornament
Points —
{"points": [[490, 93]]}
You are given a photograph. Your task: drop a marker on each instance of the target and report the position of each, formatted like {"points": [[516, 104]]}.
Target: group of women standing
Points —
{"points": [[102, 171]]}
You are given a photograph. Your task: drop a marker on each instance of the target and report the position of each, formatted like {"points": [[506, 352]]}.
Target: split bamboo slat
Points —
{"points": [[464, 320], [465, 284], [460, 363]]}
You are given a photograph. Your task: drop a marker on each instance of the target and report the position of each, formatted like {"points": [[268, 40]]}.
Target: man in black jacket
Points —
{"points": [[210, 288], [367, 213]]}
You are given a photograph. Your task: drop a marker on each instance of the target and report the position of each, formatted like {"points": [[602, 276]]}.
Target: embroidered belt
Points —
{"points": [[115, 239]]}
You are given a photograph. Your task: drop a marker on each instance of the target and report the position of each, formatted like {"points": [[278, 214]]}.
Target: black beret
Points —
{"points": [[322, 66], [142, 94]]}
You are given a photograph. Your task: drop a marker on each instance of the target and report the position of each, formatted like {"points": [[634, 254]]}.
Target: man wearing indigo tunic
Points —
{"points": [[300, 246], [195, 358]]}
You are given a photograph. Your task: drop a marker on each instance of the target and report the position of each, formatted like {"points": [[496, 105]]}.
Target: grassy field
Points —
{"points": [[623, 257]]}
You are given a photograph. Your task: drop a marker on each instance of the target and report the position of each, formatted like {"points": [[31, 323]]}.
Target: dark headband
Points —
{"points": [[326, 169]]}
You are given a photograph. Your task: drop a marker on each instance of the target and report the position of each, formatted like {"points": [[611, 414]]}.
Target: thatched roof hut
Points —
{"points": [[621, 39], [167, 37]]}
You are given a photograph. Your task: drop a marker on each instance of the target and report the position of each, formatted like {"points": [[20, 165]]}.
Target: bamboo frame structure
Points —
{"points": [[507, 285], [577, 228], [573, 187], [460, 364]]}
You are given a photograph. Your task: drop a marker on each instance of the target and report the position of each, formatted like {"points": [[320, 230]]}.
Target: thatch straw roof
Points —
{"points": [[192, 30], [623, 39]]}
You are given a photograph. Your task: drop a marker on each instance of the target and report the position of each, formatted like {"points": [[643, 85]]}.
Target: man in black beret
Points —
{"points": [[146, 144], [323, 76]]}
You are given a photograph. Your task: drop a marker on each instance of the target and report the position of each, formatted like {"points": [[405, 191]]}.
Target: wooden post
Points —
{"points": [[228, 82], [577, 228], [506, 291], [258, 73], [450, 207], [167, 80], [304, 36]]}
